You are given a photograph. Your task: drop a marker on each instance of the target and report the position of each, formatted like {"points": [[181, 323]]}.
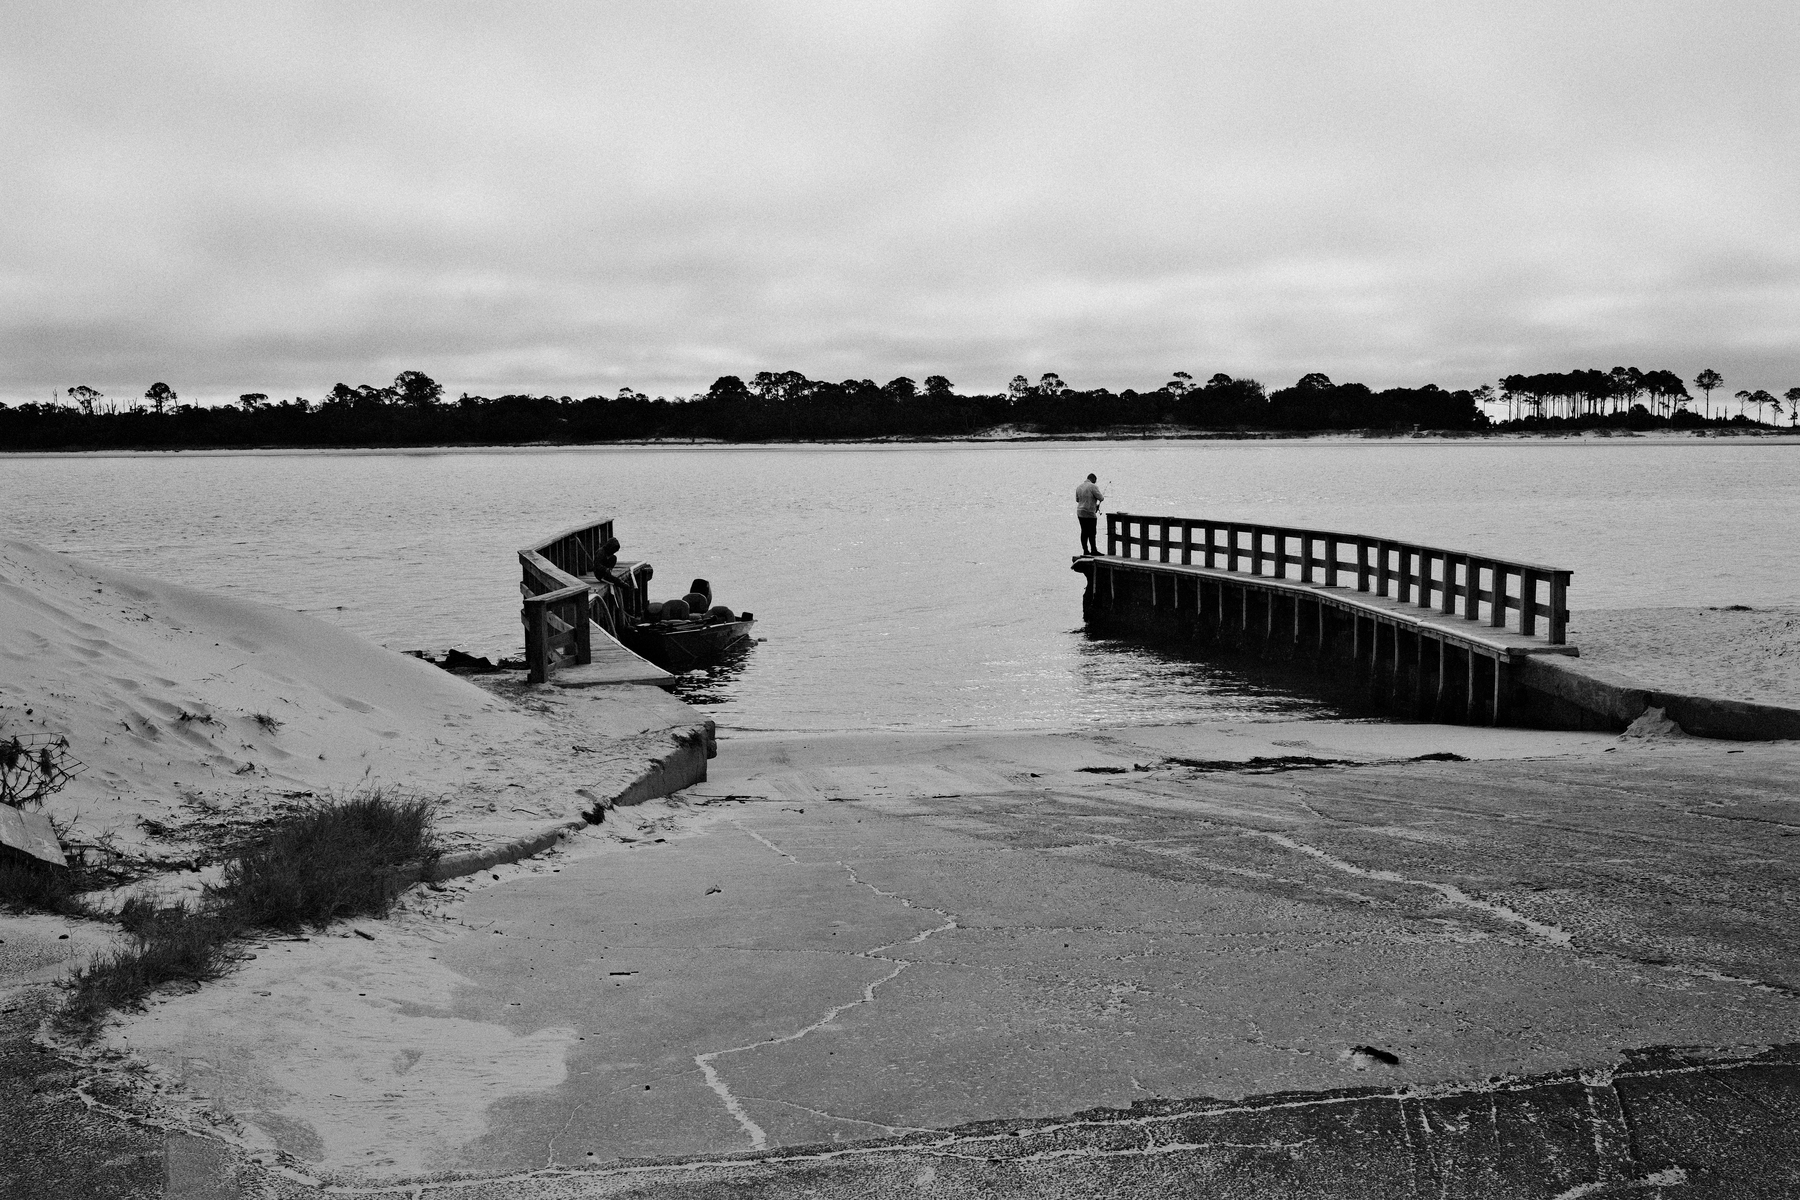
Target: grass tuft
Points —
{"points": [[336, 860], [173, 944], [26, 884], [343, 858]]}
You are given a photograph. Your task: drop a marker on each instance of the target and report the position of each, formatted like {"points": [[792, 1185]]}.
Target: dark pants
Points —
{"points": [[1087, 534]]}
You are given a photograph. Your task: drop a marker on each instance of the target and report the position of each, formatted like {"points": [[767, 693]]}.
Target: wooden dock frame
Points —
{"points": [[572, 609], [1426, 630]]}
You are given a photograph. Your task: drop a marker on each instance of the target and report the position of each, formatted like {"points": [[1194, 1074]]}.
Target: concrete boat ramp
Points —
{"points": [[1270, 959]]}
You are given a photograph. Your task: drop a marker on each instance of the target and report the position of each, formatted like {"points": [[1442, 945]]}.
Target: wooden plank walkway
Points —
{"points": [[610, 663]]}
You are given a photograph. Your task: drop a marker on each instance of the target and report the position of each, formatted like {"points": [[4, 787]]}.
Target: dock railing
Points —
{"points": [[1452, 582], [557, 598]]}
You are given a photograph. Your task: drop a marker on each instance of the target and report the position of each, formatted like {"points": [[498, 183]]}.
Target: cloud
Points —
{"points": [[572, 198]]}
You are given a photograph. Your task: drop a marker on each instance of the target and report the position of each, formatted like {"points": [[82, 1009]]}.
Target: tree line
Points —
{"points": [[1573, 395], [788, 406]]}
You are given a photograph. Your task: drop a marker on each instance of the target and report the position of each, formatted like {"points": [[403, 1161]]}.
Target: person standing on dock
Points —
{"points": [[1087, 512]]}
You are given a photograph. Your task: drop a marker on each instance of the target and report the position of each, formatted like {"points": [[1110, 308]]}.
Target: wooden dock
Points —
{"points": [[573, 602], [1436, 632]]}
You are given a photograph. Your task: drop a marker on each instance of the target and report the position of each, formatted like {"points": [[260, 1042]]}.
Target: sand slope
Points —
{"points": [[1728, 653], [181, 702]]}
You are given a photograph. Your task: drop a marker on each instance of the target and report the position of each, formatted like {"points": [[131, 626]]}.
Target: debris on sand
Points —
{"points": [[1654, 723], [1361, 1058]]}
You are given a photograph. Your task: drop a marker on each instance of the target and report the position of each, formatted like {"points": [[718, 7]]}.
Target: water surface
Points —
{"points": [[903, 586]]}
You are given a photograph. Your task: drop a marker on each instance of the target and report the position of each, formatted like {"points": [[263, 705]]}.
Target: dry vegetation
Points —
{"points": [[343, 858]]}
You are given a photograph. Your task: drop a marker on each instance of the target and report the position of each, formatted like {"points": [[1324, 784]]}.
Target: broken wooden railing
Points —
{"points": [[1477, 587], [557, 600], [578, 603]]}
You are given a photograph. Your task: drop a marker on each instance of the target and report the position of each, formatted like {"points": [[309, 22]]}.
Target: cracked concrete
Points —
{"points": [[1549, 934], [771, 985], [759, 1138]]}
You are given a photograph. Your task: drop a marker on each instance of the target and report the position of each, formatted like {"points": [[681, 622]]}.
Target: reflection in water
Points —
{"points": [[1117, 674], [713, 684]]}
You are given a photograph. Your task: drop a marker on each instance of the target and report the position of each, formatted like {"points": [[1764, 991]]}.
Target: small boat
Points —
{"points": [[686, 645], [685, 634], [575, 589]]}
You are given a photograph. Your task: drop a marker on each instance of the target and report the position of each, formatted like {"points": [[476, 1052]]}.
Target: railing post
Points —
{"points": [[1425, 556], [1306, 557], [533, 616], [1497, 618], [1207, 559], [1362, 564], [1403, 592], [1559, 613], [1447, 601], [1187, 543], [1164, 544], [1381, 568], [1256, 549], [1528, 581], [584, 650], [1472, 597], [1112, 533]]}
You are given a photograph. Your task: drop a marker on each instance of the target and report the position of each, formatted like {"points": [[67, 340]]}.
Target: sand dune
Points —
{"points": [[183, 704], [1750, 654]]}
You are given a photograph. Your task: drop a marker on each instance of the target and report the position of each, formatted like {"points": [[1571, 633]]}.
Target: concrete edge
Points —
{"points": [[1561, 694], [682, 766]]}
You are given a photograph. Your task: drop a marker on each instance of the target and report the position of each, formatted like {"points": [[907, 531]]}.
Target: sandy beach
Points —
{"points": [[1738, 653], [191, 712], [196, 718]]}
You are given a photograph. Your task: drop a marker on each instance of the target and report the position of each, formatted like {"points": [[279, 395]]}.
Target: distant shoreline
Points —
{"points": [[1369, 437]]}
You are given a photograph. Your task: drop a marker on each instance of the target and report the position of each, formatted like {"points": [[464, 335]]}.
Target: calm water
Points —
{"points": [[902, 586]]}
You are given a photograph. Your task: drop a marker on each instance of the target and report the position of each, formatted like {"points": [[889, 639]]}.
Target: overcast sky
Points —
{"points": [[572, 199]]}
